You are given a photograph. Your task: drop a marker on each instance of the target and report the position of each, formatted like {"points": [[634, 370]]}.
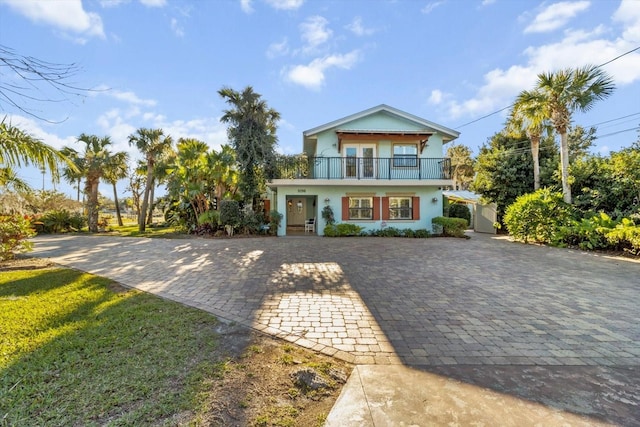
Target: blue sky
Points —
{"points": [[160, 63]]}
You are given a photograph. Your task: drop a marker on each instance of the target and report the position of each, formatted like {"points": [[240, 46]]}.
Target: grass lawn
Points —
{"points": [[76, 349], [131, 230]]}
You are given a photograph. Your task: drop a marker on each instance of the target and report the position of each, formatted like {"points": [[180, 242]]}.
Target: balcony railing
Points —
{"points": [[374, 168]]}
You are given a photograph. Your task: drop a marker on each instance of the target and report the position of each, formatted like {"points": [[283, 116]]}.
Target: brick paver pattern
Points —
{"points": [[482, 301]]}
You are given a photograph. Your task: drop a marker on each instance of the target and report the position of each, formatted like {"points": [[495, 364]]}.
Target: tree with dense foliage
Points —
{"points": [[153, 143], [529, 116], [504, 168], [252, 132], [461, 166], [565, 92], [115, 170]]}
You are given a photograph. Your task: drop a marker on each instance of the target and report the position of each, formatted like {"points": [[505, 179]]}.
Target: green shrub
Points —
{"points": [[422, 233], [330, 230], [537, 216], [209, 217], [451, 227], [230, 214], [342, 230], [14, 232], [460, 211], [625, 236], [252, 222], [275, 218], [587, 234], [61, 221], [407, 232]]}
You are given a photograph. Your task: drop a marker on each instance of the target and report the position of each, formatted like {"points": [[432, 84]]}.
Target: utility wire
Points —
{"points": [[511, 105]]}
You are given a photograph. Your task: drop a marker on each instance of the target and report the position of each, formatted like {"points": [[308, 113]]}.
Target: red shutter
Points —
{"points": [[267, 209], [415, 204], [376, 208], [345, 208], [385, 208]]}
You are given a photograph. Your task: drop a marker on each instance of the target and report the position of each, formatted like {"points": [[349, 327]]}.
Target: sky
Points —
{"points": [[160, 63]]}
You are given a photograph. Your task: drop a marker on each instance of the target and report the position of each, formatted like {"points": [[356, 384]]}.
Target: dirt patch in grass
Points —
{"points": [[24, 263], [260, 385]]}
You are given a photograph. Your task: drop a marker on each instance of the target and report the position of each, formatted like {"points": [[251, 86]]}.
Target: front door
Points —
{"points": [[359, 162], [296, 211]]}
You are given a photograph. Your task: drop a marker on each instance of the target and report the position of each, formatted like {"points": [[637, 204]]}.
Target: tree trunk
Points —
{"points": [[564, 162], [150, 215], [145, 201], [79, 184], [92, 205], [535, 150], [115, 198]]}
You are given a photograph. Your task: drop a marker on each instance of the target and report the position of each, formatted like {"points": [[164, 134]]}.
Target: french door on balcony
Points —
{"points": [[359, 161]]}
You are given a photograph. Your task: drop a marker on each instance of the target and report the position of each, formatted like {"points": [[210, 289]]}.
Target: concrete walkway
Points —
{"points": [[442, 330]]}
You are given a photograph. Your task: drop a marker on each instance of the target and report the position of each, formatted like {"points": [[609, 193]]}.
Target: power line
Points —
{"points": [[511, 105]]}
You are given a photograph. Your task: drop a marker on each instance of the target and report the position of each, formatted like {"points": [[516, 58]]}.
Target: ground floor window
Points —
{"points": [[360, 207], [400, 208]]}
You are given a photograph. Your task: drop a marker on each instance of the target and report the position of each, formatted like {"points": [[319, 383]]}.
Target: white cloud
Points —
{"points": [[112, 3], [125, 96], [33, 128], [246, 7], [436, 97], [629, 15], [358, 29], [487, 2], [576, 48], [431, 6], [177, 28], [556, 15], [64, 15], [154, 3], [285, 4], [312, 76], [278, 49], [315, 32]]}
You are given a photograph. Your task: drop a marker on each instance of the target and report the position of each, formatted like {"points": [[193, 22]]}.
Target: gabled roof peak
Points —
{"points": [[448, 133]]}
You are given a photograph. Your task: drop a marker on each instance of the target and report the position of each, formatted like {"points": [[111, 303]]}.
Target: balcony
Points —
{"points": [[361, 168]]}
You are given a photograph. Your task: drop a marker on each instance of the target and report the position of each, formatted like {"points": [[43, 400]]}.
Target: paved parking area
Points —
{"points": [[450, 306]]}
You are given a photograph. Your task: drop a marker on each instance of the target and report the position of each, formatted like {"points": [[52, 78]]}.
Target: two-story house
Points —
{"points": [[381, 167]]}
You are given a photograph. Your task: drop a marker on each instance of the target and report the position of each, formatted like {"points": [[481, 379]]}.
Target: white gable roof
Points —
{"points": [[448, 134]]}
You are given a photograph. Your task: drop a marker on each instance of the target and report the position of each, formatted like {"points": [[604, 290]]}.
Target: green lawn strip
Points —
{"points": [[75, 352], [163, 232]]}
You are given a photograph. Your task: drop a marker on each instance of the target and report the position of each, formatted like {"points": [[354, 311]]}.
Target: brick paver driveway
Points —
{"points": [[448, 305]]}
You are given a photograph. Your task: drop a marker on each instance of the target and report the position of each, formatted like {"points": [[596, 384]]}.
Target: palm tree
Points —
{"points": [[529, 115], [252, 132], [117, 169], [92, 162], [566, 91], [17, 148], [9, 179], [153, 144], [73, 175]]}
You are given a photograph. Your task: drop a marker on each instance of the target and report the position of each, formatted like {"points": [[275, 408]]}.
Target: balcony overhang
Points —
{"points": [[288, 183], [372, 135]]}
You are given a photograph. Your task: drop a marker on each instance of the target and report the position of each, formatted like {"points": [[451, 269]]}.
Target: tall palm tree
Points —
{"points": [[252, 132], [566, 91], [224, 172], [92, 162], [529, 115], [73, 175], [115, 170], [153, 143]]}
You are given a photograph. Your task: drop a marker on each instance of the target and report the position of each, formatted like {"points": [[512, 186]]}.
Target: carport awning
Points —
{"points": [[462, 196]]}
